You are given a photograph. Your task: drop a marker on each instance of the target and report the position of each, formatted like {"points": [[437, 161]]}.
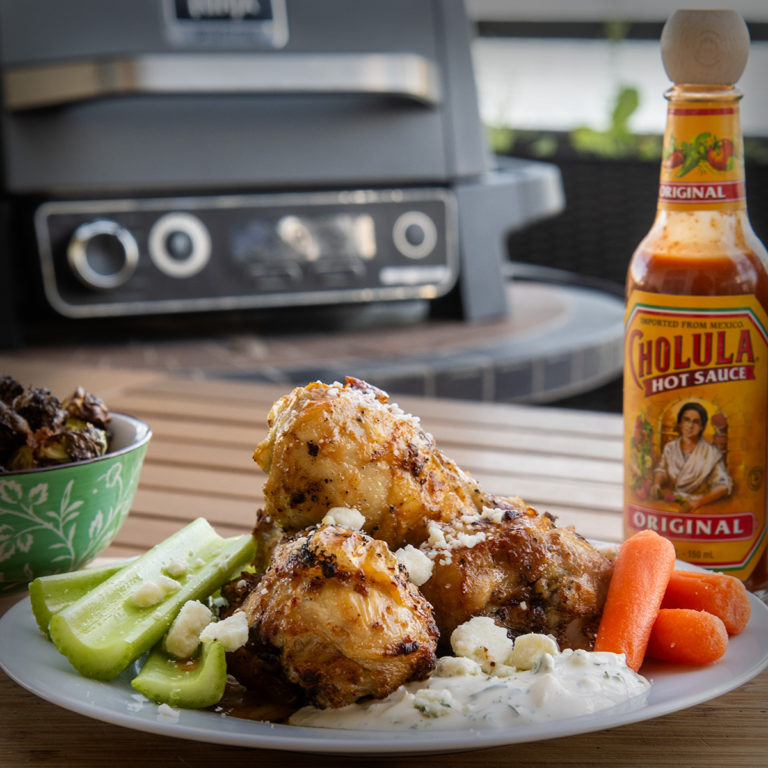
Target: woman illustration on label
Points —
{"points": [[690, 465]]}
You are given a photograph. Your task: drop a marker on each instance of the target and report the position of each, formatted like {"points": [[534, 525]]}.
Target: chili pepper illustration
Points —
{"points": [[720, 153]]}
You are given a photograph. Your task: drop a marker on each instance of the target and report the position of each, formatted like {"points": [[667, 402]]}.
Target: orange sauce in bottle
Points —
{"points": [[696, 352]]}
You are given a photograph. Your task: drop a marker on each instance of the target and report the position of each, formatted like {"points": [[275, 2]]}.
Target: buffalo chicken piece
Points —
{"points": [[335, 612], [347, 446], [513, 564]]}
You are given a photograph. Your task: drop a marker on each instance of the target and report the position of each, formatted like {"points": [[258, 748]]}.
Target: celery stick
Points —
{"points": [[102, 632], [49, 594], [192, 685]]}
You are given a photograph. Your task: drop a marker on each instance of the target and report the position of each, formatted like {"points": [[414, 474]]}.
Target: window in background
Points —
{"points": [[587, 95]]}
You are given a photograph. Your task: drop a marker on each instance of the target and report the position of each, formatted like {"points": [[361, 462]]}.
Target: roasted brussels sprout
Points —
{"points": [[76, 442], [10, 389], [37, 430], [24, 458], [40, 408], [86, 407], [14, 432]]}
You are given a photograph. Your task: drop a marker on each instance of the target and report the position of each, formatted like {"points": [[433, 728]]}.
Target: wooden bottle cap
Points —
{"points": [[705, 47]]}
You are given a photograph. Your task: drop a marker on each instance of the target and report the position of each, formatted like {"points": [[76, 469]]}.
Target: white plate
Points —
{"points": [[32, 661]]}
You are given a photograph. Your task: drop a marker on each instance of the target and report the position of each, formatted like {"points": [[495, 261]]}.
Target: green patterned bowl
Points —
{"points": [[57, 519]]}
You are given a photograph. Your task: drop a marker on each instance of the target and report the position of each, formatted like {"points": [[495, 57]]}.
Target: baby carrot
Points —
{"points": [[644, 563], [686, 636], [718, 593]]}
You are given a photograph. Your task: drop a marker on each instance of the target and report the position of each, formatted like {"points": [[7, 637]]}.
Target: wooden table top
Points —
{"points": [[199, 463]]}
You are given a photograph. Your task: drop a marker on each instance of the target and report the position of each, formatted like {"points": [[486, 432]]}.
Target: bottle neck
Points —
{"points": [[702, 164]]}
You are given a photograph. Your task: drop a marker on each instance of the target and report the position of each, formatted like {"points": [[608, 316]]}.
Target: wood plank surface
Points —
{"points": [[200, 463], [204, 433]]}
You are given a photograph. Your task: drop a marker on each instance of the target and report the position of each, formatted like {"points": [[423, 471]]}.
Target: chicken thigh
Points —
{"points": [[348, 446], [336, 613], [515, 565]]}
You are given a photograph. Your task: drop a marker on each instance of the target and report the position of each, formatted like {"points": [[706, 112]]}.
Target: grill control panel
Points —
{"points": [[161, 255]]}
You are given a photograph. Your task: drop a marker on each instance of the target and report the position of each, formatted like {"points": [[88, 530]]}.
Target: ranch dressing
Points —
{"points": [[492, 685]]}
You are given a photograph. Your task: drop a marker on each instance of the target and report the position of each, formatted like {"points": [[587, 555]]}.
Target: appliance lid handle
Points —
{"points": [[402, 75]]}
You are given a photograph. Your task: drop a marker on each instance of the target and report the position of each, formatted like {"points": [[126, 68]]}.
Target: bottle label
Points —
{"points": [[695, 410], [703, 158]]}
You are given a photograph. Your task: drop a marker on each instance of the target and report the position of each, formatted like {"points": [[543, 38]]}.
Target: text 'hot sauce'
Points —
{"points": [[696, 341]]}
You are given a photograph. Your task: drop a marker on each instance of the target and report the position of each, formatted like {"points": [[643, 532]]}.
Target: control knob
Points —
{"points": [[179, 245], [414, 234], [102, 254]]}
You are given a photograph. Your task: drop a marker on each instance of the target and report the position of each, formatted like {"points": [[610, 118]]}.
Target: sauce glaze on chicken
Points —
{"points": [[333, 612], [338, 611], [347, 446]]}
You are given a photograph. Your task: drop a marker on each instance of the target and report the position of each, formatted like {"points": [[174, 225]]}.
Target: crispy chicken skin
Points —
{"points": [[346, 445], [515, 565], [336, 612]]}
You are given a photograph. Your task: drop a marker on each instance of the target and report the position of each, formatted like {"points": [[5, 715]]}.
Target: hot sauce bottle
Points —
{"points": [[696, 341]]}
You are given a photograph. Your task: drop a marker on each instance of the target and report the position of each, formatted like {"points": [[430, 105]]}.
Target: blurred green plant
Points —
{"points": [[616, 30], [618, 140], [501, 138]]}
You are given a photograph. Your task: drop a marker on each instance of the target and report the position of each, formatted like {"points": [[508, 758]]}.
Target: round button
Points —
{"points": [[179, 245], [102, 254], [414, 234]]}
